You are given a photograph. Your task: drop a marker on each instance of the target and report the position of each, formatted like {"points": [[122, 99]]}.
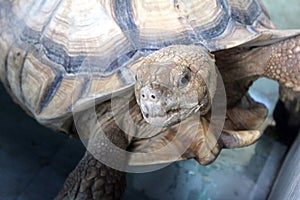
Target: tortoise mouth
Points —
{"points": [[169, 118], [162, 121]]}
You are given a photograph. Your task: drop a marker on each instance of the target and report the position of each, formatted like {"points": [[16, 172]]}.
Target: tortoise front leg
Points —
{"points": [[209, 142], [203, 137], [242, 123], [239, 130], [242, 65], [283, 63], [93, 180]]}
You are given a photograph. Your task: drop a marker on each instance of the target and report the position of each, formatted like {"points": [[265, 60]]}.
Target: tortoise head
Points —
{"points": [[174, 83]]}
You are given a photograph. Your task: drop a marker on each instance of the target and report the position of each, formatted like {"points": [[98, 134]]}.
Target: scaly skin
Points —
{"points": [[92, 179], [241, 66], [287, 55], [284, 62]]}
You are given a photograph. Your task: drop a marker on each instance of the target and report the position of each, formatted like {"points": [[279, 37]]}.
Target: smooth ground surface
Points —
{"points": [[34, 161]]}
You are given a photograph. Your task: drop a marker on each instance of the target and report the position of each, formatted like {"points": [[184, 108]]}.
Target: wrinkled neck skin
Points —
{"points": [[174, 83]]}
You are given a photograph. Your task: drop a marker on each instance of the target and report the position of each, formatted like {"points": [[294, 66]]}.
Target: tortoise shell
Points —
{"points": [[58, 54]]}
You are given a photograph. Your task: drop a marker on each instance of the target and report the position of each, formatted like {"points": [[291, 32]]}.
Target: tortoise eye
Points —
{"points": [[185, 79]]}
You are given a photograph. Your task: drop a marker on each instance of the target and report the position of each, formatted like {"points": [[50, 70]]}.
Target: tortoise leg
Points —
{"points": [[279, 61], [240, 129], [243, 65], [283, 63], [93, 180], [205, 150], [284, 66], [235, 139], [246, 114], [241, 123]]}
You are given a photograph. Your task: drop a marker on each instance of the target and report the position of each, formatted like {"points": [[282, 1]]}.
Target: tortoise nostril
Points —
{"points": [[147, 115], [149, 94]]}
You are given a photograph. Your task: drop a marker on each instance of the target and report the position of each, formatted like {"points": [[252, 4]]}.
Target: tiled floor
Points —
{"points": [[34, 161]]}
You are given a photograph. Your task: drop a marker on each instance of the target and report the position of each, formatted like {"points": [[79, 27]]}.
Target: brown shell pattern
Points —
{"points": [[58, 52]]}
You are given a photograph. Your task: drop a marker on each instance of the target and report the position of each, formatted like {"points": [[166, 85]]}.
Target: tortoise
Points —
{"points": [[106, 70]]}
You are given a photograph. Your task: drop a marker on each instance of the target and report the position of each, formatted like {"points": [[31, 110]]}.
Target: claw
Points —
{"points": [[236, 139]]}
